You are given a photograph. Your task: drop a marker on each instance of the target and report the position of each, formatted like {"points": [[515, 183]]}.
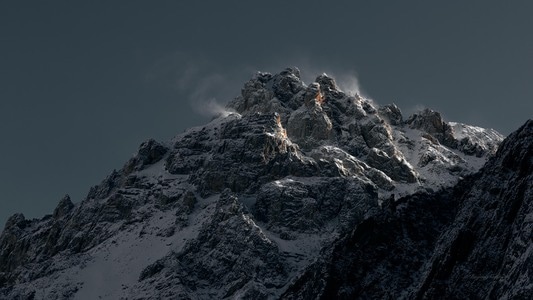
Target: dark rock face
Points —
{"points": [[64, 207], [307, 206], [149, 153], [379, 259], [394, 167], [431, 122], [241, 247], [392, 113], [487, 251], [470, 242], [287, 84], [289, 194]]}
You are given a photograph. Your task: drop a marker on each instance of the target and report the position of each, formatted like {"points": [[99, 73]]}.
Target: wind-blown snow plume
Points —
{"points": [[349, 83], [201, 94], [197, 80], [210, 108]]}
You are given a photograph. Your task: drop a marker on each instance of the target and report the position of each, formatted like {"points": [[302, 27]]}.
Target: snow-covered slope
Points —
{"points": [[240, 207]]}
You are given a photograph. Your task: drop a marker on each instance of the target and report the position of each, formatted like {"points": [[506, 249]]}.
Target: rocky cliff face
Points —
{"points": [[262, 202], [487, 251], [473, 241]]}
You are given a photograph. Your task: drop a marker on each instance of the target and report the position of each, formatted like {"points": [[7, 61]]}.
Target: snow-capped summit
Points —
{"points": [[423, 151], [243, 206]]}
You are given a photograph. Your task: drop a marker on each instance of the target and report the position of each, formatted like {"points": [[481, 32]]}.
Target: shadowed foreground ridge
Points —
{"points": [[297, 191]]}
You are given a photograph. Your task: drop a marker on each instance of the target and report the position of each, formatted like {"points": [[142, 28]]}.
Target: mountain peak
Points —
{"points": [[243, 205]]}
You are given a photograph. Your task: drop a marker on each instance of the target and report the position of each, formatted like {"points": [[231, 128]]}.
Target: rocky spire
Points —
{"points": [[64, 207]]}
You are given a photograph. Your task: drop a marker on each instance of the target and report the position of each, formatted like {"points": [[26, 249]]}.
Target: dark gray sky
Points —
{"points": [[83, 83]]}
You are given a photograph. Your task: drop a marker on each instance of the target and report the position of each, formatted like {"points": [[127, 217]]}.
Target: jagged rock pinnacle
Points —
{"points": [[64, 207]]}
